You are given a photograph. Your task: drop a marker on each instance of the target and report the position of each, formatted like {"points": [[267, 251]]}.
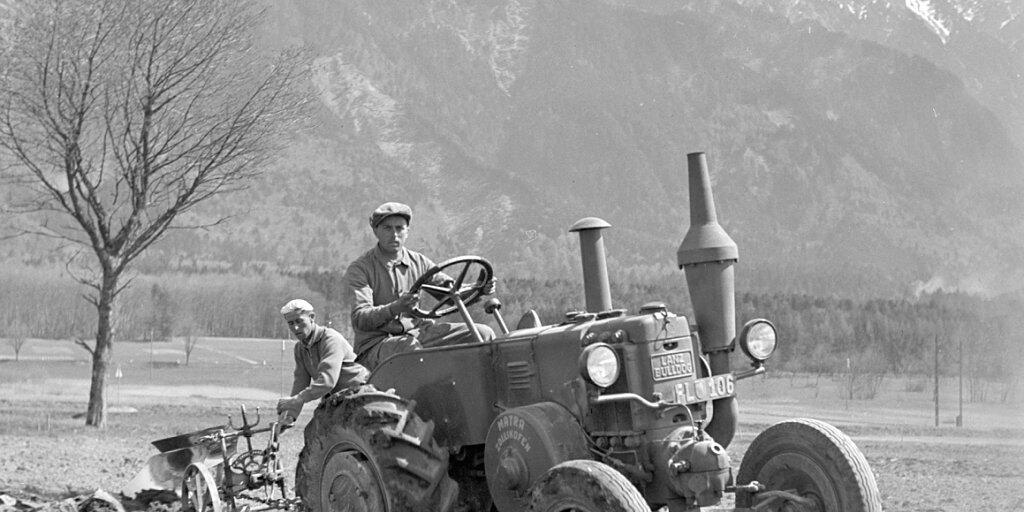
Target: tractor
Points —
{"points": [[606, 411]]}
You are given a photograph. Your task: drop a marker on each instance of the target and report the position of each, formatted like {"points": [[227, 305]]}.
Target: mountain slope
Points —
{"points": [[854, 154]]}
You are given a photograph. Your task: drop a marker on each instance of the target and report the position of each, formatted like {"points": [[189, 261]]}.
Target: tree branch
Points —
{"points": [[84, 345]]}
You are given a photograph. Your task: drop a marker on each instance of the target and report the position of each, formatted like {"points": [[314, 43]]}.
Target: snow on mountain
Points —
{"points": [[924, 10]]}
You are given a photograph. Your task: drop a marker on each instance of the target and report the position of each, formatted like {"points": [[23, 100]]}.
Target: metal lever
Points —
{"points": [[245, 420], [493, 307], [455, 295], [465, 314]]}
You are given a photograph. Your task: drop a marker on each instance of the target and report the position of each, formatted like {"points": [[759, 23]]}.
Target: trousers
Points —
{"points": [[438, 334]]}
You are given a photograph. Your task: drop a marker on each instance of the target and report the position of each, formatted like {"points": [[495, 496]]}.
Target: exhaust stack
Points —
{"points": [[595, 268], [707, 255]]}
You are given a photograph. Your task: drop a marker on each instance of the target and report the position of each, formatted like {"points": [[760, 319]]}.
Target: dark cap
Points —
{"points": [[388, 209]]}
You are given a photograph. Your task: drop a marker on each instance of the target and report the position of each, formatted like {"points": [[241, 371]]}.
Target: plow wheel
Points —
{"points": [[369, 452], [585, 486], [807, 465], [199, 490]]}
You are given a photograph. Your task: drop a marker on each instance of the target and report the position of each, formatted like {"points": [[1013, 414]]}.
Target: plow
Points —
{"points": [[209, 473]]}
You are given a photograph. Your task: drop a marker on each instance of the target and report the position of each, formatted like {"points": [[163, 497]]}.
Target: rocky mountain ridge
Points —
{"points": [[853, 149]]}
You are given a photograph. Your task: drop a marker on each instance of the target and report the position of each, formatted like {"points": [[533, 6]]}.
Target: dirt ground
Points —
{"points": [[46, 451]]}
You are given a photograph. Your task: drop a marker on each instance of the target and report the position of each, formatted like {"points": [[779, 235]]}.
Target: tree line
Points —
{"points": [[824, 335]]}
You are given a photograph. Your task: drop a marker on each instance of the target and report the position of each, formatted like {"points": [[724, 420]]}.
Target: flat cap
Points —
{"points": [[388, 209], [296, 307]]}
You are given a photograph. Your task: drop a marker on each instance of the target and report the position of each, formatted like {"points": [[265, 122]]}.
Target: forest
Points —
{"points": [[822, 335]]}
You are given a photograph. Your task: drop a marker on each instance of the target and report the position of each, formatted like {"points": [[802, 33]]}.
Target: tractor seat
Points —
{"points": [[529, 320]]}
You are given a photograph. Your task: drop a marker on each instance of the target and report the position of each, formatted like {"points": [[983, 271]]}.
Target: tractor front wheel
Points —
{"points": [[585, 486], [366, 451], [809, 464]]}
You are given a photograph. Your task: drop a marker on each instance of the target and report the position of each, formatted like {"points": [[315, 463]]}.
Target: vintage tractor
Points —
{"points": [[605, 411]]}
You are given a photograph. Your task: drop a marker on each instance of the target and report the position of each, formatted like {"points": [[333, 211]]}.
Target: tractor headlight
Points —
{"points": [[757, 339], [600, 364]]}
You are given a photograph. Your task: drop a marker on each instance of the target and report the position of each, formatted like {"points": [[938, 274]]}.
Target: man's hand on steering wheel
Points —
{"points": [[490, 287], [473, 276], [405, 303]]}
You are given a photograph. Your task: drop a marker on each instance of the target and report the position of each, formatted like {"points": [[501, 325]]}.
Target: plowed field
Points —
{"points": [[46, 451]]}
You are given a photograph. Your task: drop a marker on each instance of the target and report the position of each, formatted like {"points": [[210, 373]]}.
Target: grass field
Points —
{"points": [[47, 451], [215, 363]]}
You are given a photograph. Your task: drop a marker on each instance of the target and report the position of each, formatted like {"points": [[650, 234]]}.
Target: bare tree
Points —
{"points": [[123, 114], [189, 339], [17, 335]]}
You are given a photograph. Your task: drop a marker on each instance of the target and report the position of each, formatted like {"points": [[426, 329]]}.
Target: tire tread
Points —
{"points": [[610, 490], [412, 465], [821, 438]]}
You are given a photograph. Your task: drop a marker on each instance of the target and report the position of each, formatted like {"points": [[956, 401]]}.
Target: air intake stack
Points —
{"points": [[595, 267], [707, 255]]}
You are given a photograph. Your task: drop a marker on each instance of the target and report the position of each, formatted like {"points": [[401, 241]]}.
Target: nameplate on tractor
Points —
{"points": [[672, 365], [708, 388]]}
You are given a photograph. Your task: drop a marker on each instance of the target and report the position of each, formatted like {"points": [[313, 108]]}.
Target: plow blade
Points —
{"points": [[165, 471]]}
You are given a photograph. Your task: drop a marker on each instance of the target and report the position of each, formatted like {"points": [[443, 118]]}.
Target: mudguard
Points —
{"points": [[439, 380]]}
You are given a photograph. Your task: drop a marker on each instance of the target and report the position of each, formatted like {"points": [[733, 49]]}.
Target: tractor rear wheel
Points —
{"points": [[812, 460], [366, 451], [585, 486]]}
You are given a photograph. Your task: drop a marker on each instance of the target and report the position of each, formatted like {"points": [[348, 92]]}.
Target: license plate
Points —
{"points": [[708, 388]]}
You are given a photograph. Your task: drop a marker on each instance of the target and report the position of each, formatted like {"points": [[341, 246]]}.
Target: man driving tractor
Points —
{"points": [[379, 283]]}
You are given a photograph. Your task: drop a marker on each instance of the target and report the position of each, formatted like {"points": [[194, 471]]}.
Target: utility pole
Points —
{"points": [[936, 380], [849, 383], [960, 414], [151, 355], [118, 375]]}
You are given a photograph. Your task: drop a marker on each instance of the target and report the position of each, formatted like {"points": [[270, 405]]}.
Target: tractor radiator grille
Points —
{"points": [[520, 375]]}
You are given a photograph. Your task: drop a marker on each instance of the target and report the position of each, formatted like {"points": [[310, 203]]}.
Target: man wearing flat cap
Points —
{"points": [[324, 360], [378, 283]]}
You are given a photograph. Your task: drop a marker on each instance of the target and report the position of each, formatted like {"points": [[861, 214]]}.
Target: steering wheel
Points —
{"points": [[456, 294]]}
